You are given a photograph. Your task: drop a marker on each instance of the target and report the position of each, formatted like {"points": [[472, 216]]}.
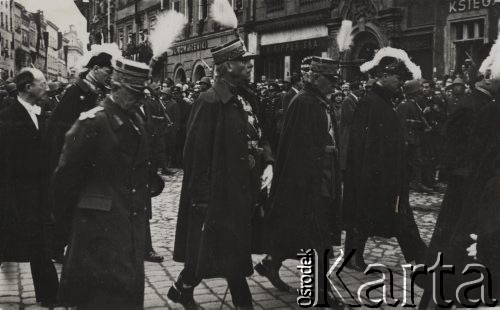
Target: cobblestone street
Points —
{"points": [[17, 292]]}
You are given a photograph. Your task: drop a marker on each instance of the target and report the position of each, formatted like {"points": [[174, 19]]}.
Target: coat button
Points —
{"points": [[147, 185], [134, 214], [149, 163], [133, 190]]}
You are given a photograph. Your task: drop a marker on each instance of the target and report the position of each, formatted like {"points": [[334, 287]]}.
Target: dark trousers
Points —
{"points": [[238, 286], [412, 246], [149, 243], [45, 279]]}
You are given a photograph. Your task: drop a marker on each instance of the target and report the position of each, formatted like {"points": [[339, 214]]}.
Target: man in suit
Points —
{"points": [[102, 185], [23, 185]]}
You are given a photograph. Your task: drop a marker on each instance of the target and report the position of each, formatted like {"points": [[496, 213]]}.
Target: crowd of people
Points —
{"points": [[269, 168]]}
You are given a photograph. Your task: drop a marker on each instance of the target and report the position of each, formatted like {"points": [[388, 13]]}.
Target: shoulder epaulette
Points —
{"points": [[90, 113]]}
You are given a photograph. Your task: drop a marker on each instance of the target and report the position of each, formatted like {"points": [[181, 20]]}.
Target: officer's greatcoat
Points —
{"points": [[103, 171], [216, 240]]}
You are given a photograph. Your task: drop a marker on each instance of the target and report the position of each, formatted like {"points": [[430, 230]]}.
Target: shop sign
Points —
{"points": [[290, 47], [191, 47], [459, 6]]}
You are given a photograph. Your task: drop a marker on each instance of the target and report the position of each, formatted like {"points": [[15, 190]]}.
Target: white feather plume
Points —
{"points": [[492, 62], [344, 37], [395, 53], [109, 48], [168, 26], [222, 12]]}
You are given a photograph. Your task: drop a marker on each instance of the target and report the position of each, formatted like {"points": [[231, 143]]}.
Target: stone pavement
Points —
{"points": [[17, 292]]}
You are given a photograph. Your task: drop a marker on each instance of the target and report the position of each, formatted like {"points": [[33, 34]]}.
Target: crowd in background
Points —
{"points": [[436, 98]]}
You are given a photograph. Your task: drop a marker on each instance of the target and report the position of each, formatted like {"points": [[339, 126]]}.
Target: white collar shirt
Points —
{"points": [[33, 110]]}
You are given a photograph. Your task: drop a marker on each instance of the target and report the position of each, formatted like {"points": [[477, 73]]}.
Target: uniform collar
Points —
{"points": [[225, 91], [484, 91], [382, 91]]}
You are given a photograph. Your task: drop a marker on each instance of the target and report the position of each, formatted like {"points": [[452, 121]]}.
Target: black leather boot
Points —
{"points": [[182, 295], [268, 270]]}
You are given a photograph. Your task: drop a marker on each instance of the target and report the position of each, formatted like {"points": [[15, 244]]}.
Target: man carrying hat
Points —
{"points": [[221, 182], [102, 185], [376, 195], [306, 193]]}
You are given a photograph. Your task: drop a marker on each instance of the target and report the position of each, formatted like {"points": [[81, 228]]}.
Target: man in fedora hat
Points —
{"points": [[221, 182], [306, 194], [102, 185], [376, 186]]}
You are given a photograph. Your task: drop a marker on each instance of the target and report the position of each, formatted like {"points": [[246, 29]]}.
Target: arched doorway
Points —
{"points": [[198, 72], [180, 75], [365, 45]]}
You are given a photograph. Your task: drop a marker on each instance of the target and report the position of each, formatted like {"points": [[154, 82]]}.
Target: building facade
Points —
{"points": [[283, 32], [442, 36], [74, 51], [53, 72], [6, 38], [21, 19]]}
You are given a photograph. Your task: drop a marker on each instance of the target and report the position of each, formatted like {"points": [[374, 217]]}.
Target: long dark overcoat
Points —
{"points": [[216, 173], [78, 98], [102, 184], [485, 195], [348, 107], [376, 168], [463, 147], [23, 184], [299, 219]]}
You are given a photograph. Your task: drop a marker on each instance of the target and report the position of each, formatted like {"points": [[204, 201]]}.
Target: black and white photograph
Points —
{"points": [[249, 154]]}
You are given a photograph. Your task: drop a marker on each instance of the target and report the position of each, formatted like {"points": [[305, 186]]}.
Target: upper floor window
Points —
{"points": [[274, 5], [305, 2], [176, 5], [203, 9]]}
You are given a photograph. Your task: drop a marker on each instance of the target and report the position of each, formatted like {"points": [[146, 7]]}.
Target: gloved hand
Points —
{"points": [[267, 178]]}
